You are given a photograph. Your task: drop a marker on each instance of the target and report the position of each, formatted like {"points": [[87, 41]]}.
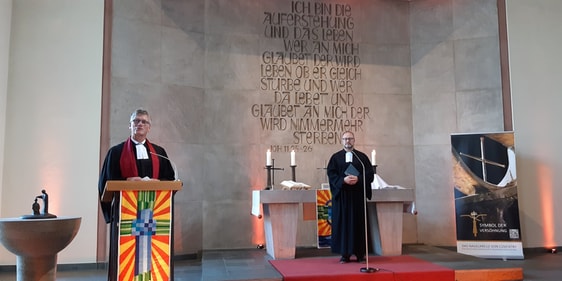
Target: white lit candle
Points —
{"points": [[268, 161], [293, 160], [374, 157]]}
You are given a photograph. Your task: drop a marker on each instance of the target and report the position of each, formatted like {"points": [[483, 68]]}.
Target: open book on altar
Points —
{"points": [[293, 185], [379, 183]]}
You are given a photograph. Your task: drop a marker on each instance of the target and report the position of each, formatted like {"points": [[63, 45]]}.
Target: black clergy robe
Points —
{"points": [[348, 213], [111, 170]]}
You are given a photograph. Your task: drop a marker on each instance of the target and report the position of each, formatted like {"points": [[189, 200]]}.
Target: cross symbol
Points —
{"points": [[143, 227], [482, 159]]}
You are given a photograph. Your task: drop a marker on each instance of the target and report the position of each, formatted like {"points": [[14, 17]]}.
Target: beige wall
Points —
{"points": [[52, 114], [5, 25], [535, 37]]}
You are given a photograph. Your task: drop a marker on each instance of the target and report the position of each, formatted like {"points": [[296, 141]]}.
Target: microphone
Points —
{"points": [[171, 162], [366, 269]]}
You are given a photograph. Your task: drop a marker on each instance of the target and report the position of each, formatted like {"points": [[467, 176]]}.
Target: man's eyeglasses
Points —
{"points": [[348, 139], [144, 122]]}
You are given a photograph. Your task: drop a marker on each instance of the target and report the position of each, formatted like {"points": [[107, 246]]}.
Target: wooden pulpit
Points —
{"points": [[142, 229], [113, 187]]}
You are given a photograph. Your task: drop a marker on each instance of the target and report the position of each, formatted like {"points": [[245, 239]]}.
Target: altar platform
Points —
{"points": [[253, 264]]}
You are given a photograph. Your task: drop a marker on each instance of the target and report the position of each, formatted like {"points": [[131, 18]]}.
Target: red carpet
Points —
{"points": [[399, 268]]}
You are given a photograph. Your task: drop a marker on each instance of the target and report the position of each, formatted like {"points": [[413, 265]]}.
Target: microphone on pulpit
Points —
{"points": [[366, 269], [171, 162]]}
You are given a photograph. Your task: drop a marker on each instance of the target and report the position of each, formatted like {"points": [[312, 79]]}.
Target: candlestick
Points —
{"points": [[293, 173], [268, 158], [268, 167], [268, 185], [293, 160], [373, 157], [270, 174]]}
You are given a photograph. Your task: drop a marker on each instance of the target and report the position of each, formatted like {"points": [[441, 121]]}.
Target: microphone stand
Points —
{"points": [[176, 178], [171, 162], [365, 269]]}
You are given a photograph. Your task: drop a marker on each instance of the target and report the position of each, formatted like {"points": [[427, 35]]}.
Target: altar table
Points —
{"points": [[281, 208]]}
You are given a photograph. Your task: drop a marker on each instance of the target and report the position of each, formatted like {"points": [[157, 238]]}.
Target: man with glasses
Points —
{"points": [[135, 159], [350, 174]]}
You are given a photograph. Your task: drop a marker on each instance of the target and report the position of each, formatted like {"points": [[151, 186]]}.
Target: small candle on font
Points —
{"points": [[374, 157]]}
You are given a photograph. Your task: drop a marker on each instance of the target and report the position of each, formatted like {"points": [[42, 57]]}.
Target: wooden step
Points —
{"points": [[496, 274]]}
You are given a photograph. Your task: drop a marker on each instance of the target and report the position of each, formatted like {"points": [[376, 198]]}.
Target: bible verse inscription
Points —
{"points": [[310, 77]]}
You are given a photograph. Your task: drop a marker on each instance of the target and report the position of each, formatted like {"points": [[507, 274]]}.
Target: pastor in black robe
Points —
{"points": [[111, 170], [348, 213]]}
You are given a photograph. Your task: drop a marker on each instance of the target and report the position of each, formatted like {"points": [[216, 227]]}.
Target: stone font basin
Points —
{"points": [[36, 243]]}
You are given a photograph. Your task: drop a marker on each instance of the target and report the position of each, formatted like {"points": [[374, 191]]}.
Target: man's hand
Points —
{"points": [[350, 180], [141, 179]]}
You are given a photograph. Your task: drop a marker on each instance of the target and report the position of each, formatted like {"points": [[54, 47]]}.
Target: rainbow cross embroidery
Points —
{"points": [[144, 235]]}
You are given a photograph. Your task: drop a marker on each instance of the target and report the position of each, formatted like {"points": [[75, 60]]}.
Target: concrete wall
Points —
{"points": [[196, 66], [52, 116], [456, 88]]}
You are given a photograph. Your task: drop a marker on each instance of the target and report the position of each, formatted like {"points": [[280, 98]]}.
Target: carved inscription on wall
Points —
{"points": [[310, 76]]}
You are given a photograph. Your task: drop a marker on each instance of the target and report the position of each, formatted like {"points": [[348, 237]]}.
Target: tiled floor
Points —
{"points": [[252, 264]]}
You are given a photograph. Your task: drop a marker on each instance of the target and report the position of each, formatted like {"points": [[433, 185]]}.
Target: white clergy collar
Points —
{"points": [[141, 149], [348, 157]]}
